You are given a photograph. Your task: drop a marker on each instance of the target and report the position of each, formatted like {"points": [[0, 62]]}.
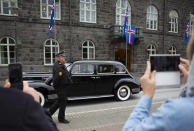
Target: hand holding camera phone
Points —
{"points": [[15, 76], [167, 70], [16, 81]]}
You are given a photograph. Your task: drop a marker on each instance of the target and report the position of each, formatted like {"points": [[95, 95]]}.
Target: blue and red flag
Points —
{"points": [[126, 22], [130, 34], [52, 16], [128, 31], [187, 31]]}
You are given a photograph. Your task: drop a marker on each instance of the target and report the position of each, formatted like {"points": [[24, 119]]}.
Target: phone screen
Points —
{"points": [[163, 63], [167, 71], [15, 76]]}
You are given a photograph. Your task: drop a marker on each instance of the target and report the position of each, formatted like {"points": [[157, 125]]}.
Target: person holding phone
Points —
{"points": [[20, 110], [174, 114], [61, 82]]}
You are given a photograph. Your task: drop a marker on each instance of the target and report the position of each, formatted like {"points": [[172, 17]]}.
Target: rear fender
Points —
{"points": [[126, 81], [40, 84]]}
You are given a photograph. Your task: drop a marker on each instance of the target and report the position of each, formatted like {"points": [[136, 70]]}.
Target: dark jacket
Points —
{"points": [[19, 112], [61, 78]]}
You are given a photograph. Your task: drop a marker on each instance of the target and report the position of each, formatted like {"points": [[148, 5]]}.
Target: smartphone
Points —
{"points": [[163, 63], [166, 67], [15, 76]]}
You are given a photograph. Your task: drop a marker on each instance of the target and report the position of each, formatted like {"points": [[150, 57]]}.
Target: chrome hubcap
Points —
{"points": [[123, 92]]}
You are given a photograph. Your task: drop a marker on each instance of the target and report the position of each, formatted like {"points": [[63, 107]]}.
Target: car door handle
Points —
{"points": [[93, 77], [97, 77]]}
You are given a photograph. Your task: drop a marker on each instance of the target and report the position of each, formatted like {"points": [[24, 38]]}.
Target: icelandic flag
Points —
{"points": [[130, 34], [187, 31], [52, 15], [126, 22]]}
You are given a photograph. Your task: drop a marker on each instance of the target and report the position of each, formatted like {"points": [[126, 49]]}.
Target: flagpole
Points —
{"points": [[55, 28], [191, 29], [126, 52], [55, 21], [126, 23]]}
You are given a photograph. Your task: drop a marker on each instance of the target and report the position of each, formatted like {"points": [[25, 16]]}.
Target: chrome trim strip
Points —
{"points": [[88, 97]]}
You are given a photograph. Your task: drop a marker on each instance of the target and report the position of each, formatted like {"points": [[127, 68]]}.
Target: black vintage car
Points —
{"points": [[93, 79]]}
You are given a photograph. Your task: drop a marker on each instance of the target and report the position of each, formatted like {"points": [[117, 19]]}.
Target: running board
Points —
{"points": [[88, 97]]}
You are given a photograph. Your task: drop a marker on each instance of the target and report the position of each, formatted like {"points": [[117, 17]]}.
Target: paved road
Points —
{"points": [[107, 114]]}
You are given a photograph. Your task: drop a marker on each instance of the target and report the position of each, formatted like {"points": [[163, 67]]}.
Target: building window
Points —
{"points": [[121, 7], [88, 11], [172, 50], [51, 48], [173, 22], [6, 5], [152, 18], [45, 9], [151, 50], [7, 51], [192, 24], [88, 50]]}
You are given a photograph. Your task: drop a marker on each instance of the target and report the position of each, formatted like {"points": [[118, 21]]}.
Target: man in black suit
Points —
{"points": [[20, 112], [61, 81]]}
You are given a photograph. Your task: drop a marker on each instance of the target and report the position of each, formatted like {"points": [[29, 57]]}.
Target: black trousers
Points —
{"points": [[61, 104]]}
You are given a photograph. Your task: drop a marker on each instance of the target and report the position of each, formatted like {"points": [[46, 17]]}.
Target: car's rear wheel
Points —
{"points": [[123, 93], [42, 98]]}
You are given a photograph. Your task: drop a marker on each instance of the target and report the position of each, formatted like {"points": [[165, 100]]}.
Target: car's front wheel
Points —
{"points": [[123, 93], [42, 98]]}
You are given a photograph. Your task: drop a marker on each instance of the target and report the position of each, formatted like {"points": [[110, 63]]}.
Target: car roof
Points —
{"points": [[98, 62]]}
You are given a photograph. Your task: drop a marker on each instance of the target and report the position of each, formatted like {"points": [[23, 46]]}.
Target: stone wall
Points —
{"points": [[32, 32]]}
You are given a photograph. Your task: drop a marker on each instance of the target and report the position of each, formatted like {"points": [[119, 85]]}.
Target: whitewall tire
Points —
{"points": [[42, 98], [123, 93]]}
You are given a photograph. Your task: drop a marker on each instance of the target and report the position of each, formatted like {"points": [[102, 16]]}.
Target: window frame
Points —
{"points": [[191, 31], [79, 64], [9, 6], [119, 66], [85, 10], [8, 50], [149, 51], [172, 50], [173, 21], [88, 47], [113, 72], [150, 11], [48, 17], [123, 15], [191, 27], [51, 52]]}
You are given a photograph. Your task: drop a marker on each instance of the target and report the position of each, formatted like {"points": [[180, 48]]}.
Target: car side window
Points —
{"points": [[83, 69], [105, 69], [120, 69]]}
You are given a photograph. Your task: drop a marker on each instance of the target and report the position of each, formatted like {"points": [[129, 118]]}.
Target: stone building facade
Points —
{"points": [[31, 32]]}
